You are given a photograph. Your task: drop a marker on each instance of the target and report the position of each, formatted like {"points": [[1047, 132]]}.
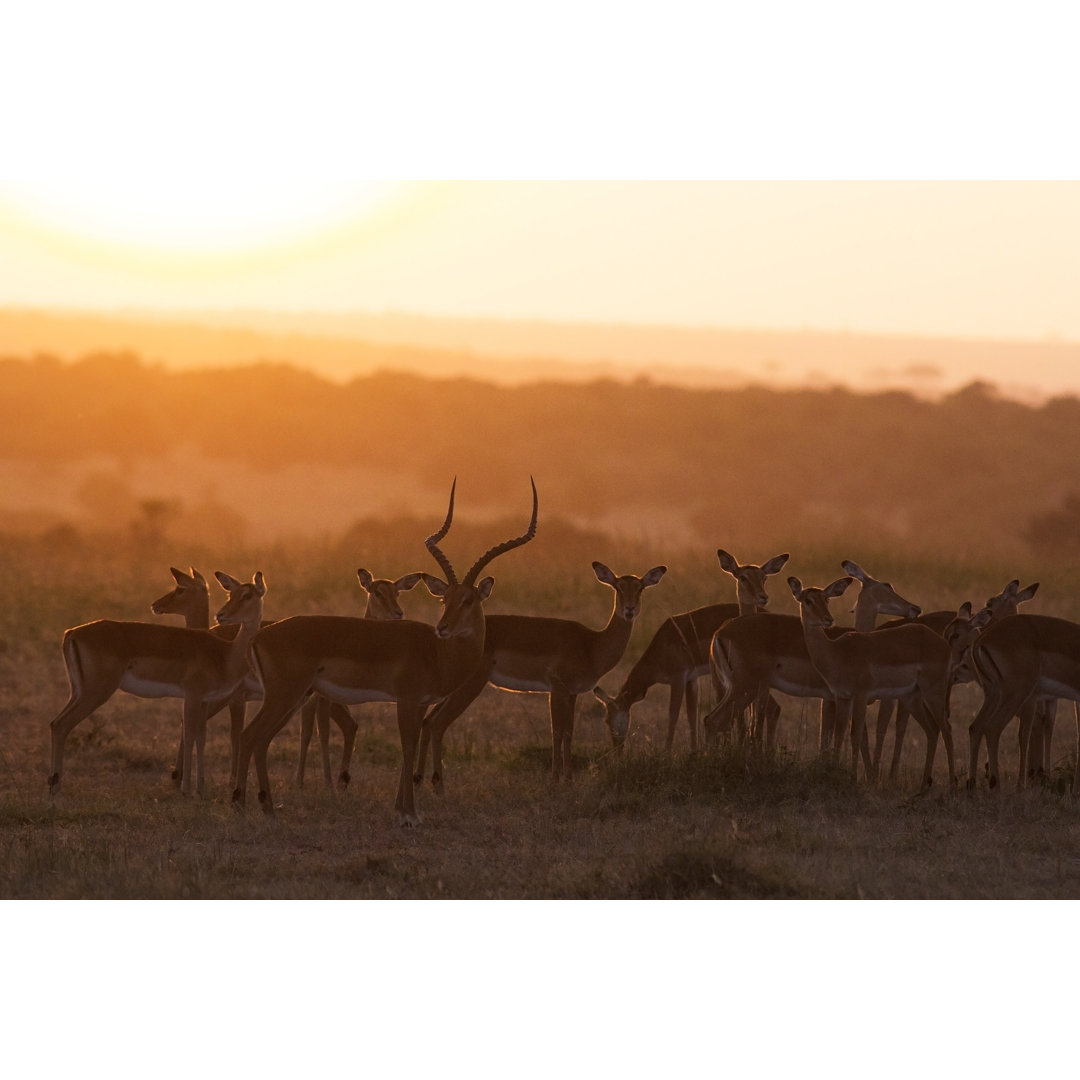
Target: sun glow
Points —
{"points": [[182, 219]]}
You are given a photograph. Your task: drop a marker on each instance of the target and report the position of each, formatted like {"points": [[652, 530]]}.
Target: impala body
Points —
{"points": [[353, 660], [533, 654], [678, 654], [152, 661]]}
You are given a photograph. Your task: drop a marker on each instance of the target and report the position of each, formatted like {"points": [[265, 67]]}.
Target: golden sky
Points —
{"points": [[982, 259], [836, 157]]}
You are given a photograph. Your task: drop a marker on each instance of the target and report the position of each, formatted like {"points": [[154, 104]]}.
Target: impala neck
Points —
{"points": [[458, 655], [610, 643], [818, 644], [866, 612]]}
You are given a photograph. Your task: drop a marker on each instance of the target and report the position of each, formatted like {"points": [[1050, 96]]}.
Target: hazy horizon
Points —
{"points": [[342, 345]]}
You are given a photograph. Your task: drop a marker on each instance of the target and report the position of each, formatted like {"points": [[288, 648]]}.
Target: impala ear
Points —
{"points": [[1024, 595], [436, 586], [775, 564], [604, 574], [855, 570], [226, 581], [837, 588], [795, 585], [653, 576], [981, 618], [179, 576], [727, 561], [365, 578], [485, 586], [964, 610], [260, 583], [409, 581]]}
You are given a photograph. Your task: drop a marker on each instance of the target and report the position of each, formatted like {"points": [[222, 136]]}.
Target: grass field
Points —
{"points": [[640, 824]]}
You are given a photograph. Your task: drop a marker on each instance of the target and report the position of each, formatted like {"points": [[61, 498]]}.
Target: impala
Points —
{"points": [[1017, 661], [754, 654], [908, 661], [150, 660], [533, 654], [190, 598], [678, 654], [352, 660], [951, 624], [382, 604]]}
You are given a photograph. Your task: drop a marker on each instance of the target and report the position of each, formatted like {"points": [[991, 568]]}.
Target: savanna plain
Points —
{"points": [[640, 823]]}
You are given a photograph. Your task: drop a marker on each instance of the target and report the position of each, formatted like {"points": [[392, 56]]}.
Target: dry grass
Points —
{"points": [[637, 825]]}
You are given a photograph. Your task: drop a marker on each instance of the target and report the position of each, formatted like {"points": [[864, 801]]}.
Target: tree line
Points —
{"points": [[972, 472]]}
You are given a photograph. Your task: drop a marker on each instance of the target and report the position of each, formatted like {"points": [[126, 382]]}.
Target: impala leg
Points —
{"points": [[1029, 731], [322, 722], [410, 718], [191, 729], [279, 703], [237, 716], [307, 727], [442, 716], [200, 749], [884, 715], [1076, 770], [902, 713], [692, 710], [344, 720], [841, 726], [675, 701], [178, 770], [771, 714], [859, 739], [1011, 704], [561, 705], [79, 706], [828, 724]]}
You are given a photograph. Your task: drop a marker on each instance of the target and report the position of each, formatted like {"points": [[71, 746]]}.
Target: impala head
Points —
{"points": [[628, 588], [616, 715], [383, 593], [1009, 599], [463, 611], [880, 596], [814, 603], [245, 599], [189, 596], [961, 634], [750, 580]]}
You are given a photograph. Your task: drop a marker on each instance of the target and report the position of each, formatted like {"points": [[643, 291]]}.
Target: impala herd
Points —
{"points": [[321, 664]]}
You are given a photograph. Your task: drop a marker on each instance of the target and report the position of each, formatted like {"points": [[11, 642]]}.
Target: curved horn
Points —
{"points": [[432, 541], [507, 545]]}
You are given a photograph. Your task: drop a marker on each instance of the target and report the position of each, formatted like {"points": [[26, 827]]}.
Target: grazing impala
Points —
{"points": [[352, 660], [678, 654], [754, 654], [150, 660], [382, 604], [909, 661], [536, 655]]}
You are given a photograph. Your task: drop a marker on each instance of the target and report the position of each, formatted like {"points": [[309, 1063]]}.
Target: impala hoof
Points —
{"points": [[238, 800], [971, 784], [408, 821], [343, 779], [265, 802], [437, 784], [417, 778]]}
